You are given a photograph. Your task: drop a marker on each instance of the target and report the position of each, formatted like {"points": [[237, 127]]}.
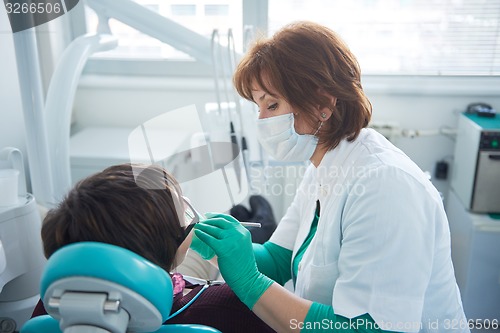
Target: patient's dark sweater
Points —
{"points": [[217, 307]]}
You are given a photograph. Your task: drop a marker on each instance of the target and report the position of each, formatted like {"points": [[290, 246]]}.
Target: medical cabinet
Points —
{"points": [[476, 167], [475, 249]]}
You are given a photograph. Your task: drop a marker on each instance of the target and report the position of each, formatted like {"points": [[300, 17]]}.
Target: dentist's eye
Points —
{"points": [[272, 107]]}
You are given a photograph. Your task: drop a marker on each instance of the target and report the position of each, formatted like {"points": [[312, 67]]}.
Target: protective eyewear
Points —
{"points": [[191, 217]]}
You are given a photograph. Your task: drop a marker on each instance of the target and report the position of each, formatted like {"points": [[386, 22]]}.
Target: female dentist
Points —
{"points": [[366, 239]]}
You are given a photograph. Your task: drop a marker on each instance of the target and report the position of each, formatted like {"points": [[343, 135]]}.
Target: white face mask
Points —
{"points": [[278, 137]]}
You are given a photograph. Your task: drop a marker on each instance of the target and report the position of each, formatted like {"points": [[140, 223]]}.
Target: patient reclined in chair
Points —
{"points": [[131, 207]]}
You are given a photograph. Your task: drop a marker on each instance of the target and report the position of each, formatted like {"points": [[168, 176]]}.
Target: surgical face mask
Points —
{"points": [[278, 137]]}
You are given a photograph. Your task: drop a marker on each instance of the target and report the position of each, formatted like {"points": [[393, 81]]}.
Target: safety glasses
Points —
{"points": [[191, 217]]}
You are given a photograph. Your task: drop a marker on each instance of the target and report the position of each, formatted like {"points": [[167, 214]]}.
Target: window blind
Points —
{"points": [[411, 37]]}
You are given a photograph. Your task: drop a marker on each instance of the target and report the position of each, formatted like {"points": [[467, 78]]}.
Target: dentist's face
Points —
{"points": [[271, 105]]}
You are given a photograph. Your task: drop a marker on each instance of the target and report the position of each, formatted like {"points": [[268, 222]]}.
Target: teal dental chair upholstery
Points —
{"points": [[102, 288]]}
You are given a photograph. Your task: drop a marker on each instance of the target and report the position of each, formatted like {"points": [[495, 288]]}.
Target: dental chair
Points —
{"points": [[102, 288]]}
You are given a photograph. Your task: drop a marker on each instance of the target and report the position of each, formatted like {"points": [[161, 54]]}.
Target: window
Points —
{"points": [[424, 37], [389, 37], [183, 10], [217, 10], [200, 16]]}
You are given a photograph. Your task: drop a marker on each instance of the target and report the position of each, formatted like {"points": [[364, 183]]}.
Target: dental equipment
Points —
{"points": [[21, 252], [195, 280], [154, 25], [203, 217], [218, 66], [251, 224], [48, 122], [232, 56]]}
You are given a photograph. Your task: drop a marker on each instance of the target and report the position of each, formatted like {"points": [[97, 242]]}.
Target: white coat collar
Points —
{"points": [[333, 166]]}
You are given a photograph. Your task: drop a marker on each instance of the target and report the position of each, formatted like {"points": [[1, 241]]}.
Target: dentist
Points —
{"points": [[366, 239]]}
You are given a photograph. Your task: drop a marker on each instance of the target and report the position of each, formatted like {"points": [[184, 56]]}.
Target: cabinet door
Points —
{"points": [[486, 198], [481, 297]]}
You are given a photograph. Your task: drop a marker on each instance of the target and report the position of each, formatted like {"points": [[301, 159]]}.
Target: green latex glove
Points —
{"points": [[233, 245], [203, 249]]}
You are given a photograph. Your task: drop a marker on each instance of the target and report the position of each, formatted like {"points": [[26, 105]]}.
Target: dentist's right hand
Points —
{"points": [[203, 249], [233, 245]]}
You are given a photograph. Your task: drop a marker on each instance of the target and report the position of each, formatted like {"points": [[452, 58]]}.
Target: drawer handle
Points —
{"points": [[494, 157]]}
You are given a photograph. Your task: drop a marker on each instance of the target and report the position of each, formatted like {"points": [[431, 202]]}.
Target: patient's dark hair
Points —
{"points": [[114, 206]]}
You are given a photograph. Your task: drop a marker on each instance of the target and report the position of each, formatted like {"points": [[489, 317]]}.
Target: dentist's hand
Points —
{"points": [[203, 249], [233, 245]]}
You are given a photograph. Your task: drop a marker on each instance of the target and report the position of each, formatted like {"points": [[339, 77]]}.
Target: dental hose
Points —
{"points": [[190, 302]]}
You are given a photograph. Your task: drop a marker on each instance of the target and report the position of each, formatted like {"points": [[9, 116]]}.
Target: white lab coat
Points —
{"points": [[382, 245]]}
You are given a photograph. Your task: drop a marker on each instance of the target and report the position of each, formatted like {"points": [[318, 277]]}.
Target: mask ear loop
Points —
{"points": [[320, 124], [323, 116]]}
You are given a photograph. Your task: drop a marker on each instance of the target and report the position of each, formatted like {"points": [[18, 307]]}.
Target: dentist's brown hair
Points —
{"points": [[307, 64]]}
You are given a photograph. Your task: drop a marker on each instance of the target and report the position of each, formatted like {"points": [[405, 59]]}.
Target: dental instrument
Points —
{"points": [[195, 280], [214, 40], [232, 56], [218, 61], [203, 217], [251, 224]]}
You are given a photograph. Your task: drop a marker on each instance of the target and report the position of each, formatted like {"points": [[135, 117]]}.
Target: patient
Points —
{"points": [[145, 214]]}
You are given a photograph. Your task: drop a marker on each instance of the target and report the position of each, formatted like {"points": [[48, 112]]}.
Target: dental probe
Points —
{"points": [[245, 224], [251, 224]]}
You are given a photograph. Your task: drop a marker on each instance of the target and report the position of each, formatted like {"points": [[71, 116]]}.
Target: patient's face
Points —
{"points": [[183, 248]]}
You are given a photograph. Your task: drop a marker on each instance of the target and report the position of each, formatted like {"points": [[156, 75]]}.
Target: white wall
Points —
{"points": [[426, 104], [130, 101], [413, 103]]}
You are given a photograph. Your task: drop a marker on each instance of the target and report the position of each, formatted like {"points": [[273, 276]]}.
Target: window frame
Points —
{"points": [[255, 14]]}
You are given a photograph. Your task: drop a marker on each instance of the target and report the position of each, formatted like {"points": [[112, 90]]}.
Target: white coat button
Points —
{"points": [[300, 266]]}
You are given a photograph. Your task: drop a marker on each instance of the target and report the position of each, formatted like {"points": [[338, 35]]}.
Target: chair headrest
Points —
{"points": [[98, 267]]}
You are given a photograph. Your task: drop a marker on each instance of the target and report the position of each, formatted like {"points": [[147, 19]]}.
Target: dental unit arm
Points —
{"points": [[48, 123]]}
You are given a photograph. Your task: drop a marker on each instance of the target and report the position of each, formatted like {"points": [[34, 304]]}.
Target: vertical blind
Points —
{"points": [[412, 37]]}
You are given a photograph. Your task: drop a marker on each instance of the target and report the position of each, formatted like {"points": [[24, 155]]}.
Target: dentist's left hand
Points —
{"points": [[233, 245]]}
